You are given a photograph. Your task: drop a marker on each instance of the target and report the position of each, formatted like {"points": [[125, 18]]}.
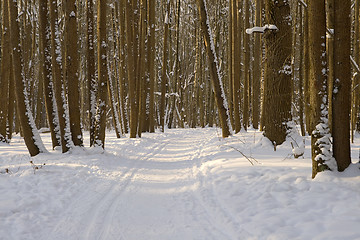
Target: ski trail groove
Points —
{"points": [[104, 214], [215, 211]]}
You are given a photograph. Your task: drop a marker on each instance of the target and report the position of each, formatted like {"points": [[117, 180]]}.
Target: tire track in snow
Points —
{"points": [[216, 214], [88, 205], [105, 211]]}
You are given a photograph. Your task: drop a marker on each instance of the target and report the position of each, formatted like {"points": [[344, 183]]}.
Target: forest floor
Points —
{"points": [[182, 184]]}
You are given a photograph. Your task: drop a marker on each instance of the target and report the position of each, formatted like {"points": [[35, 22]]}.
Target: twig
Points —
{"points": [[247, 158]]}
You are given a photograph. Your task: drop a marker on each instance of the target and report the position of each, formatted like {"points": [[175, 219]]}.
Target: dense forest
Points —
{"points": [[135, 66]]}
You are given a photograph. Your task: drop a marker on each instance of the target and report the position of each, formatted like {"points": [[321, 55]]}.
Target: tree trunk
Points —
{"points": [[246, 107], [92, 83], [320, 141], [277, 88], [131, 68], [257, 69], [6, 68], [72, 72], [56, 53], [45, 68], [30, 133], [102, 73], [164, 67], [342, 84], [214, 70], [236, 65], [151, 62]]}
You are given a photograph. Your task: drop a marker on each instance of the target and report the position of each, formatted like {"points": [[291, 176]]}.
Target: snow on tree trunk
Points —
{"points": [[29, 130], [217, 84]]}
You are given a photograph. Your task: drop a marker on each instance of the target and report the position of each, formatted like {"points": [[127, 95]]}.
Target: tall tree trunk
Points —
{"points": [[342, 84], [214, 70], [151, 62], [277, 88], [330, 51], [6, 68], [301, 75], [257, 69], [30, 133], [164, 67], [131, 67], [92, 83], [142, 69], [246, 107], [45, 65], [236, 64], [56, 53], [320, 137], [72, 72], [102, 73]]}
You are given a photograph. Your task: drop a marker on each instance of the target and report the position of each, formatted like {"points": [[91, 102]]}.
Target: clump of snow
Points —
{"points": [[261, 29]]}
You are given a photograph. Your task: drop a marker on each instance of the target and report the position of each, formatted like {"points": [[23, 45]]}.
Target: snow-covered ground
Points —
{"points": [[183, 184]]}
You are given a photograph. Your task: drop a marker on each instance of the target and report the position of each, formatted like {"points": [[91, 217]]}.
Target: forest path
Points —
{"points": [[161, 191]]}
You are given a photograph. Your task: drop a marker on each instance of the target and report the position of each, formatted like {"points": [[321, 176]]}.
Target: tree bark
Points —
{"points": [[277, 87], [320, 137], [30, 133], [72, 72], [342, 84], [214, 70], [102, 73], [45, 68], [56, 53], [6, 68]]}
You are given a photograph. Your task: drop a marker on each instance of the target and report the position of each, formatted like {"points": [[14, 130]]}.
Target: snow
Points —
{"points": [[182, 184], [261, 29]]}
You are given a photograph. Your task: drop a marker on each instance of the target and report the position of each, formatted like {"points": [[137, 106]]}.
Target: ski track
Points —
{"points": [[106, 221], [98, 215]]}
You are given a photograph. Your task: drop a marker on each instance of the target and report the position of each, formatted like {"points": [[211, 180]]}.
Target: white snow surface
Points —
{"points": [[181, 184]]}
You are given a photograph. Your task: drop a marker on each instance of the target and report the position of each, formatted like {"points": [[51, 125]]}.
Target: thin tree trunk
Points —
{"points": [[246, 92], [151, 62], [214, 70], [56, 53], [45, 65], [92, 83], [164, 67], [236, 65], [257, 69], [102, 73]]}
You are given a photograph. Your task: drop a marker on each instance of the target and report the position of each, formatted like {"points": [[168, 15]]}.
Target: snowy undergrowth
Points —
{"points": [[183, 184]]}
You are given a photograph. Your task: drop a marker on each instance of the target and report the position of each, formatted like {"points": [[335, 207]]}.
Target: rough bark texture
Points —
{"points": [[65, 138], [277, 85], [246, 104], [26, 118], [216, 83], [236, 64], [45, 68], [256, 93], [72, 74], [151, 62], [6, 68], [164, 68], [92, 86], [102, 73], [131, 68], [318, 81], [342, 84]]}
